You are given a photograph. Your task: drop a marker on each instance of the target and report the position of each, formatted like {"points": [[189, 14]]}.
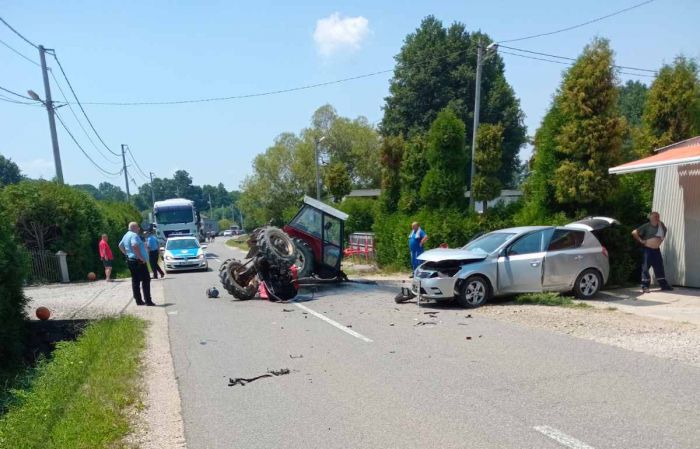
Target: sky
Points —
{"points": [[131, 51]]}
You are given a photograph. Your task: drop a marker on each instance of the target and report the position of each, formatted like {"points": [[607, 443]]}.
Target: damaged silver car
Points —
{"points": [[517, 260]]}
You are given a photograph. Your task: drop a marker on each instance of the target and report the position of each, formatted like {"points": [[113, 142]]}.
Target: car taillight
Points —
{"points": [[605, 251]]}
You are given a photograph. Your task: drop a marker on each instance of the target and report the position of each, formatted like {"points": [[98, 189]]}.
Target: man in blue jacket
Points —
{"points": [[133, 248]]}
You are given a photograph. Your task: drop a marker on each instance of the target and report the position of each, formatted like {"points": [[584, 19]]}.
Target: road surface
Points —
{"points": [[367, 373]]}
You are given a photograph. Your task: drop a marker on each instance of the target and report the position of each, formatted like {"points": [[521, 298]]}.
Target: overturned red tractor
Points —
{"points": [[312, 242]]}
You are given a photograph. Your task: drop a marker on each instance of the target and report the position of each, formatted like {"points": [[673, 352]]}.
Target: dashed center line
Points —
{"points": [[562, 438], [334, 323]]}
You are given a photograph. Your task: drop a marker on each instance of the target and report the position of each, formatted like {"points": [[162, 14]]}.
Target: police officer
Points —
{"points": [[133, 248]]}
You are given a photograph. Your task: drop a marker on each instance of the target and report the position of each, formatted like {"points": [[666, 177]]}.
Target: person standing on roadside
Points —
{"points": [[106, 257], [651, 235], [416, 241], [133, 248], [154, 255]]}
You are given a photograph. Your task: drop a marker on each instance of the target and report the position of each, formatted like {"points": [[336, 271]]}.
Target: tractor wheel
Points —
{"points": [[277, 247], [305, 258], [229, 280]]}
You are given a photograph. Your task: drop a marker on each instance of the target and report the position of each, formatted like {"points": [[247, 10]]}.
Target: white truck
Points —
{"points": [[177, 217]]}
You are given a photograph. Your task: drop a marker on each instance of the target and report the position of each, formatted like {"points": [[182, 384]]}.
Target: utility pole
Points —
{"points": [[211, 212], [477, 104], [126, 176], [52, 121], [153, 192], [318, 179]]}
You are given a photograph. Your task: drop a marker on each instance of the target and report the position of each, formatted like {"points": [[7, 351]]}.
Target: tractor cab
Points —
{"points": [[317, 231]]}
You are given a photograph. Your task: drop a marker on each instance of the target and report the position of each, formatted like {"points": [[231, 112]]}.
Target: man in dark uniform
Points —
{"points": [[651, 235]]}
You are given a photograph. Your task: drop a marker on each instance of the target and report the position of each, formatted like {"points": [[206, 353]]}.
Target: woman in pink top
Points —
{"points": [[106, 257]]}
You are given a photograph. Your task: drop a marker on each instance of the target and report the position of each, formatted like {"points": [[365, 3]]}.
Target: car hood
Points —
{"points": [[440, 254], [189, 252]]}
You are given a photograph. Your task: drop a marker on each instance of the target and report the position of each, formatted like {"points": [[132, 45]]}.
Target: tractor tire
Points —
{"points": [[277, 247], [305, 258], [228, 280], [278, 280]]}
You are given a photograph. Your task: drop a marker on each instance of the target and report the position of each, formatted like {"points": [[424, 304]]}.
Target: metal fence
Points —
{"points": [[361, 247], [44, 266]]}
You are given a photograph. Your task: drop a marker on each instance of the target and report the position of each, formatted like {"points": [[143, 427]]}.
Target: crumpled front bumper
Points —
{"points": [[433, 287]]}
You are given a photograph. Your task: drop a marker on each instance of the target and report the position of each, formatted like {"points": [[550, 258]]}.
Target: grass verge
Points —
{"points": [[241, 244], [549, 299], [78, 399]]}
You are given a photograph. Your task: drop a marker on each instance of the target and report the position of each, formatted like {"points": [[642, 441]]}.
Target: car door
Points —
{"points": [[520, 265], [563, 260]]}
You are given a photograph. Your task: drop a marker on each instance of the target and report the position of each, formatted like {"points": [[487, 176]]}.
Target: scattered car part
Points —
{"points": [[212, 292]]}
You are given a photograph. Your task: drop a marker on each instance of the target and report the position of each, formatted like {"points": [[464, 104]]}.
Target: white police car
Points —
{"points": [[184, 253]]}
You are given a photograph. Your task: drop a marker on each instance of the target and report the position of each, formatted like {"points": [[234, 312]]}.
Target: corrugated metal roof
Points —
{"points": [[686, 154]]}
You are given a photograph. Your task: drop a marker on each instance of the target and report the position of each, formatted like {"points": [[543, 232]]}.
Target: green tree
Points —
{"points": [[9, 172], [391, 154], [224, 224], [435, 69], [631, 101], [338, 181], [443, 185], [672, 110], [486, 185], [414, 167], [590, 139], [110, 192]]}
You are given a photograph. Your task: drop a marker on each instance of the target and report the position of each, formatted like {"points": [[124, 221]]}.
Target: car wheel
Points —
{"points": [[588, 284], [474, 292]]}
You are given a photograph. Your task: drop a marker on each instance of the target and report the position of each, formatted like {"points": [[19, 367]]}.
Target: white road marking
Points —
{"points": [[174, 312], [562, 438], [333, 323]]}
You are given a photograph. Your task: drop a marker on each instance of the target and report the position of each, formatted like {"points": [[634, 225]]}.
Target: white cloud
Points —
{"points": [[335, 33], [38, 168]]}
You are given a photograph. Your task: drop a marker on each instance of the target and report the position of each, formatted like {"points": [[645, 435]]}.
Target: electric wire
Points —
{"points": [[11, 100], [19, 34], [573, 27], [106, 172], [19, 53], [138, 167], [573, 59], [568, 63], [70, 86], [16, 94], [60, 89]]}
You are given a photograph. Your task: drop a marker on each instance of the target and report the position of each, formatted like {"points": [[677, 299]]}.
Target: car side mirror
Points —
{"points": [[503, 253], [204, 246]]}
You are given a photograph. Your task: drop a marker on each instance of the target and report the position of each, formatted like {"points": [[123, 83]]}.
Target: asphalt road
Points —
{"points": [[366, 374]]}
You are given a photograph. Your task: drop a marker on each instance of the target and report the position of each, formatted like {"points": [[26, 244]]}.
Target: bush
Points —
{"points": [[361, 211], [13, 268], [55, 217]]}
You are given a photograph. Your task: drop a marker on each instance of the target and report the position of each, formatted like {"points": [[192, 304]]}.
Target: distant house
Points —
{"points": [[364, 193], [506, 197], [677, 199]]}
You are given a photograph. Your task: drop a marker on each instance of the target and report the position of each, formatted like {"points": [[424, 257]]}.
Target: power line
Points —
{"points": [[78, 120], [239, 97], [19, 34], [138, 167], [573, 59], [53, 53], [19, 53], [573, 27], [106, 172], [11, 100], [16, 94], [566, 63]]}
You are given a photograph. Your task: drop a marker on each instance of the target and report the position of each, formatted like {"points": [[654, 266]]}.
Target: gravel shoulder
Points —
{"points": [[661, 338]]}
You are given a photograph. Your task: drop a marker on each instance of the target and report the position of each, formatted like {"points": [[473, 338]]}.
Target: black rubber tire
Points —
{"points": [[277, 247], [241, 292], [278, 279], [305, 258], [588, 284], [474, 285]]}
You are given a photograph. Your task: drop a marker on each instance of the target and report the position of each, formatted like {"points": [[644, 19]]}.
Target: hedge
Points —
{"points": [[13, 268]]}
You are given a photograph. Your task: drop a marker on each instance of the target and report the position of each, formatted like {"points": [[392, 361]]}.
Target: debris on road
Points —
{"points": [[300, 356], [469, 338], [423, 323], [468, 316], [431, 313], [243, 381], [287, 310]]}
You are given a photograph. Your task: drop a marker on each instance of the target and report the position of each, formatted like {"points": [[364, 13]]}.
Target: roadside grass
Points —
{"points": [[241, 244], [549, 299], [79, 398]]}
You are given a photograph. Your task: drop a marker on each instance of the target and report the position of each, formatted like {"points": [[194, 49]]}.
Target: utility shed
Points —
{"points": [[677, 199]]}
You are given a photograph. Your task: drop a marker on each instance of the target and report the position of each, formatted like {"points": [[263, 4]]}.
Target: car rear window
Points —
{"points": [[566, 239]]}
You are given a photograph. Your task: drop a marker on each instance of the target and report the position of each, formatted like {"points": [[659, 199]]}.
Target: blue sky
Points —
{"points": [[153, 51]]}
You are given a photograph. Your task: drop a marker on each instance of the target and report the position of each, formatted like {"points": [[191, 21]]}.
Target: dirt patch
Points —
{"points": [[660, 338]]}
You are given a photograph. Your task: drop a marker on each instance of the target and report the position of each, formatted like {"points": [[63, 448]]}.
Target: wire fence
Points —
{"points": [[44, 267]]}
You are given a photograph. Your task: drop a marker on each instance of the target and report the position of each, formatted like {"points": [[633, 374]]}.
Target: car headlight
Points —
{"points": [[168, 257], [201, 256]]}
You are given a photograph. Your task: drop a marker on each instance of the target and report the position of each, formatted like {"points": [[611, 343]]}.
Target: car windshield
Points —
{"points": [[486, 244], [171, 216], [182, 244]]}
